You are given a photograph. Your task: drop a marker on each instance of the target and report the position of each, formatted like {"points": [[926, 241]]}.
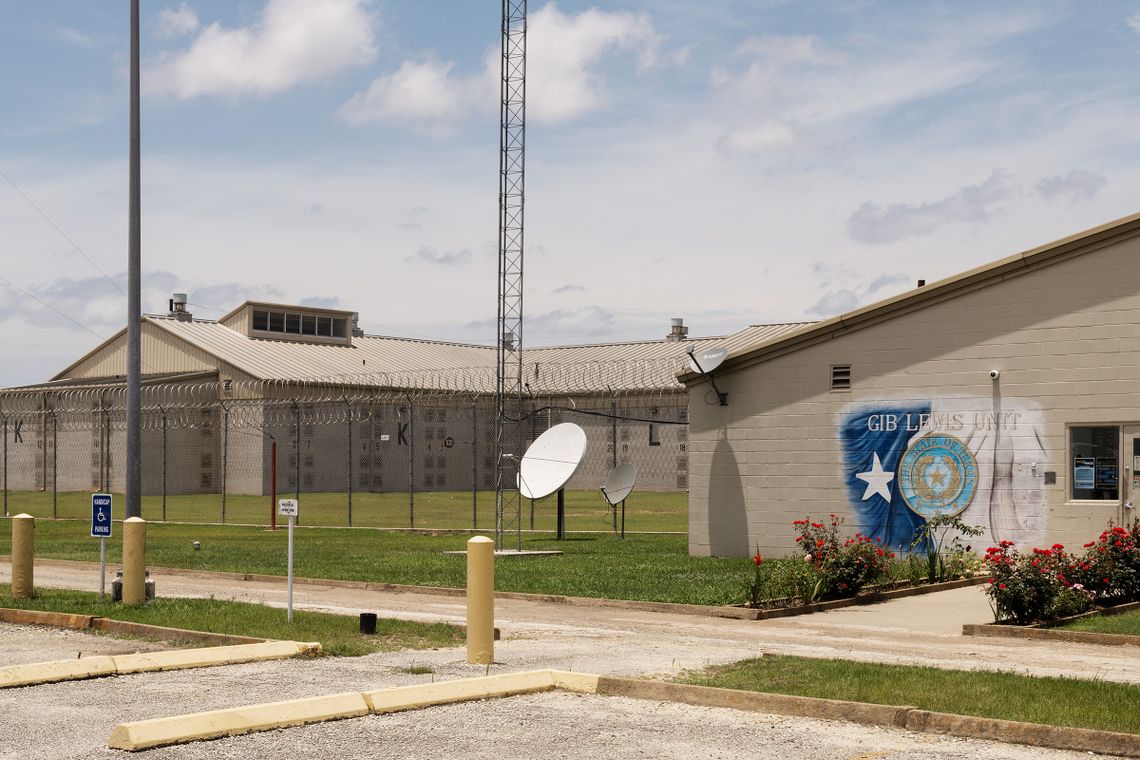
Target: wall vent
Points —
{"points": [[840, 377]]}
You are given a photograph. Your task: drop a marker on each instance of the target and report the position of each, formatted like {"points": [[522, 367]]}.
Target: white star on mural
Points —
{"points": [[877, 480]]}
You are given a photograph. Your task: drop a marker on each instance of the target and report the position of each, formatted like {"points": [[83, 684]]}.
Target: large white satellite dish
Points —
{"points": [[551, 460], [619, 483], [706, 361]]}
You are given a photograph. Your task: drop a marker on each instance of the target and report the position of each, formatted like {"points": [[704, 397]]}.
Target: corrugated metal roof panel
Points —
{"points": [[404, 362]]}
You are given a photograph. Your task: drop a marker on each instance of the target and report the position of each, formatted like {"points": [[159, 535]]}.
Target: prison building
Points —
{"points": [[303, 392], [1008, 395]]}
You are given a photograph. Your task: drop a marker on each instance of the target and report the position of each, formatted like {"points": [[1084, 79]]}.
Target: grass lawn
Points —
{"points": [[1127, 623], [339, 635], [1006, 696], [443, 510], [641, 567]]}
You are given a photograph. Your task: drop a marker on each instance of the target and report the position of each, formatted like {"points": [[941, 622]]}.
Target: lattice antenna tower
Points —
{"points": [[509, 378]]}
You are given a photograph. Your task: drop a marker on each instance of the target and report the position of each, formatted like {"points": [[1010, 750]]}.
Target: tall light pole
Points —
{"points": [[134, 287]]}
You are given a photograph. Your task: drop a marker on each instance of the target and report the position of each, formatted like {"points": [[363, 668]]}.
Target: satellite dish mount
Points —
{"points": [[705, 363], [619, 483]]}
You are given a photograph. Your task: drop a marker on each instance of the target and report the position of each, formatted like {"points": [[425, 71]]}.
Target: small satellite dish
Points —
{"points": [[619, 483], [551, 460], [706, 361]]}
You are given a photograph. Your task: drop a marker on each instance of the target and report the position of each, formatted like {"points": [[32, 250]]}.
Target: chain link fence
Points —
{"points": [[352, 455]]}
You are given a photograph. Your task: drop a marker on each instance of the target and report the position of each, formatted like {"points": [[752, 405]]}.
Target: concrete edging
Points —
{"points": [[725, 611], [32, 674], [1047, 631], [1046, 634], [896, 716], [123, 627]]}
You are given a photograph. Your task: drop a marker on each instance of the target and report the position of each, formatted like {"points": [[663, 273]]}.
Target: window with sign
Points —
{"points": [[1095, 462]]}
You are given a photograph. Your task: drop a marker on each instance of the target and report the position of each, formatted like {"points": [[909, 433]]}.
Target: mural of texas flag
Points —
{"points": [[874, 441]]}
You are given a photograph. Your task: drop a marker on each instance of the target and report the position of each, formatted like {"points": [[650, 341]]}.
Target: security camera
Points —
{"points": [[994, 374]]}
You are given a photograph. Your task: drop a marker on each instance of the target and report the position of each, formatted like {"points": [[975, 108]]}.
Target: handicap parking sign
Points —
{"points": [[101, 515]]}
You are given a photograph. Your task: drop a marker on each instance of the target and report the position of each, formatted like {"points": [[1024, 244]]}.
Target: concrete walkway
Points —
{"points": [[611, 641]]}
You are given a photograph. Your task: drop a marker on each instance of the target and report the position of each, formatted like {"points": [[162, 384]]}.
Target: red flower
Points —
{"points": [[757, 559]]}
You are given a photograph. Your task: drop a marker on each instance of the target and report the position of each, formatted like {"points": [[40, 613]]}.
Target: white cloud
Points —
{"points": [[292, 42], [564, 81], [424, 92], [176, 22], [1133, 22], [753, 139], [835, 302], [874, 224], [826, 93], [564, 51], [441, 258], [884, 281], [1077, 185]]}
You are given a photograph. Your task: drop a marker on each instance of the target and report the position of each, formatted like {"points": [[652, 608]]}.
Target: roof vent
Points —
{"points": [[677, 330], [178, 308]]}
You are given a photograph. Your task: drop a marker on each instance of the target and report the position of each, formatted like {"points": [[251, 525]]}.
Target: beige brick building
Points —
{"points": [[1009, 394]]}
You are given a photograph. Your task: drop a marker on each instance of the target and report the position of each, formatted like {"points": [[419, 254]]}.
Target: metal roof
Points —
{"points": [[414, 363]]}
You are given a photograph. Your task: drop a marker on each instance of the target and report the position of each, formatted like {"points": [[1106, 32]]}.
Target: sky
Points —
{"points": [[729, 162]]}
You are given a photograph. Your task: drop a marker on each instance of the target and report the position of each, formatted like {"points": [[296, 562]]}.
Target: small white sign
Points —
{"points": [[385, 437], [287, 507]]}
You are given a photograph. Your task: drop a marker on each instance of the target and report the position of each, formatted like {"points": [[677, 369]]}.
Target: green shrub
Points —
{"points": [[843, 566], [1052, 583]]}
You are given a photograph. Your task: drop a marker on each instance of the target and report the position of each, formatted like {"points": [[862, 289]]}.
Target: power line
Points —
{"points": [[59, 229]]}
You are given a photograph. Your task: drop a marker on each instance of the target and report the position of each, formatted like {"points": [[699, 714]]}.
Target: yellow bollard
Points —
{"points": [[480, 601], [23, 555], [134, 560]]}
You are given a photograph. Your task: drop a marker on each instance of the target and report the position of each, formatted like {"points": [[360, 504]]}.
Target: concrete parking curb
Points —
{"points": [[180, 729], [32, 674]]}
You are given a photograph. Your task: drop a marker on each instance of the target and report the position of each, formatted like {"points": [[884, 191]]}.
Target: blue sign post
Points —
{"points": [[101, 529]]}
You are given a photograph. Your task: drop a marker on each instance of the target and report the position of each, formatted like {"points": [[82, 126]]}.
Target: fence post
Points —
{"points": [[411, 462], [163, 410], [225, 454], [5, 465], [43, 441], [474, 464], [350, 455], [613, 429], [106, 433], [297, 451], [54, 465]]}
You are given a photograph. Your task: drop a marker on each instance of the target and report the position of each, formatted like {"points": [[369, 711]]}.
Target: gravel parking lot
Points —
{"points": [[74, 720]]}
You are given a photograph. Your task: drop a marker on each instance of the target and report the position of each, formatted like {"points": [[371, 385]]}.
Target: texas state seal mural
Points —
{"points": [[980, 459]]}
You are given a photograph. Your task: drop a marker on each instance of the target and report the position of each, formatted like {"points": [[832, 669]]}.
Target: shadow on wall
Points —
{"points": [[728, 518]]}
